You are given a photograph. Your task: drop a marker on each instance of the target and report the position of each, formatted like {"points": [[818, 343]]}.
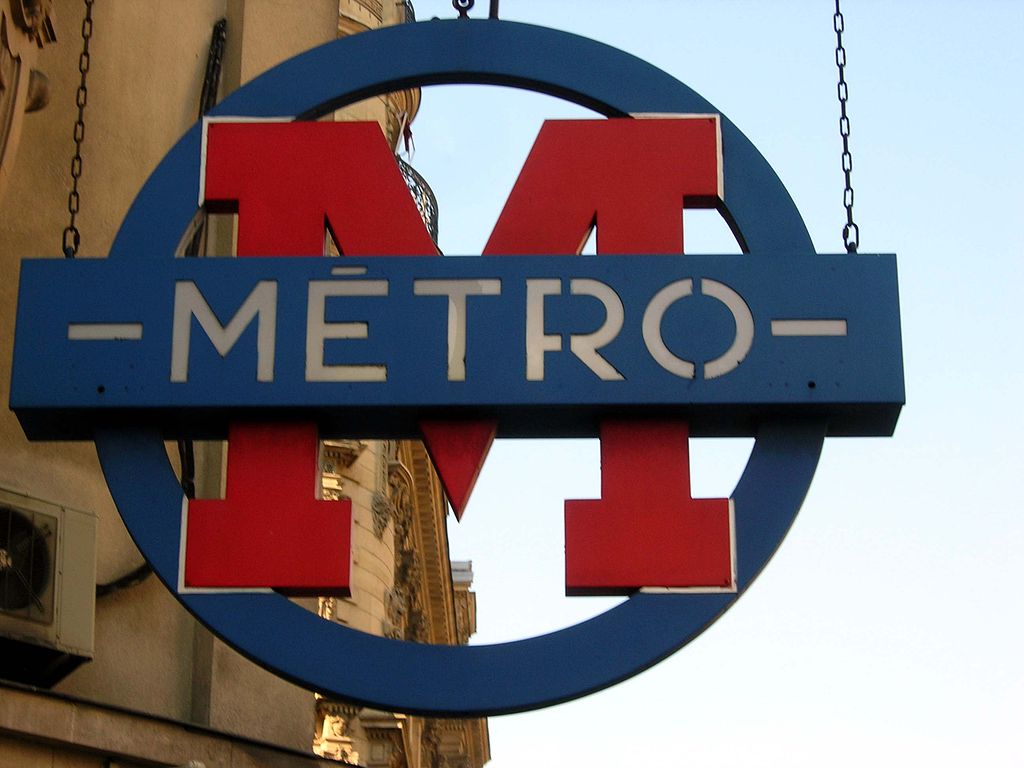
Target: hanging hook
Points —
{"points": [[463, 7]]}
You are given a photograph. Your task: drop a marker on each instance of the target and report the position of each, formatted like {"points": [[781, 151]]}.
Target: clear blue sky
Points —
{"points": [[888, 629]]}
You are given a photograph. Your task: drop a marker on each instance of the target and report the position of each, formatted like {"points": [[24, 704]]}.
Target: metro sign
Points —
{"points": [[640, 346]]}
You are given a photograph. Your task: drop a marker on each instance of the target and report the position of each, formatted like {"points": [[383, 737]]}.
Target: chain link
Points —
{"points": [[72, 237], [851, 232]]}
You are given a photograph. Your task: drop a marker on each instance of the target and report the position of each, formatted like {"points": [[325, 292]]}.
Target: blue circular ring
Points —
{"points": [[462, 680]]}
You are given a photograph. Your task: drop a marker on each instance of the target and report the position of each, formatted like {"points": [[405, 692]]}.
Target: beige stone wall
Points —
{"points": [[394, 110], [61, 732], [266, 32], [21, 754], [147, 65], [363, 481], [152, 659]]}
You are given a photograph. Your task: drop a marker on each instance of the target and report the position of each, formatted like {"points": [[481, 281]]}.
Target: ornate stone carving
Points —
{"points": [[465, 623], [336, 456], [396, 610], [407, 566], [383, 510], [332, 739], [328, 608], [418, 627], [385, 456], [387, 747], [25, 26], [34, 18], [400, 490], [336, 708], [333, 489], [445, 744], [341, 454], [406, 617]]}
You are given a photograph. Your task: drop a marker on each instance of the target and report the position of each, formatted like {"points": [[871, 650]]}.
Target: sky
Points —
{"points": [[887, 630]]}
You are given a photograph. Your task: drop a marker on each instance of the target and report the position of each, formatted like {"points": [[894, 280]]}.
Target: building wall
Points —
{"points": [[146, 71], [155, 668]]}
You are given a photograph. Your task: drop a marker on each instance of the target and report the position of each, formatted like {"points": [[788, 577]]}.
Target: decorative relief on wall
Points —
{"points": [[332, 739], [396, 613], [444, 744], [337, 456], [25, 27], [328, 608], [465, 624], [34, 18], [387, 745], [383, 510], [404, 606]]}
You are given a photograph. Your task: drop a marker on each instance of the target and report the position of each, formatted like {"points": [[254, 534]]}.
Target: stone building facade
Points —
{"points": [[158, 688]]}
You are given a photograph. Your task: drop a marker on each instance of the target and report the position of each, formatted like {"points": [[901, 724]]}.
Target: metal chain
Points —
{"points": [[72, 237], [851, 232]]}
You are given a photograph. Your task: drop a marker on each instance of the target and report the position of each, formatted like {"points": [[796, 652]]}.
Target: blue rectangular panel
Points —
{"points": [[370, 346]]}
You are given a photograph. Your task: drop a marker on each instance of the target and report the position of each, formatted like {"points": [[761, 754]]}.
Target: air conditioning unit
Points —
{"points": [[47, 589]]}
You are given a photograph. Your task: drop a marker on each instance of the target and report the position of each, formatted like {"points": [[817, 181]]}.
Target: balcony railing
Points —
{"points": [[423, 196]]}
